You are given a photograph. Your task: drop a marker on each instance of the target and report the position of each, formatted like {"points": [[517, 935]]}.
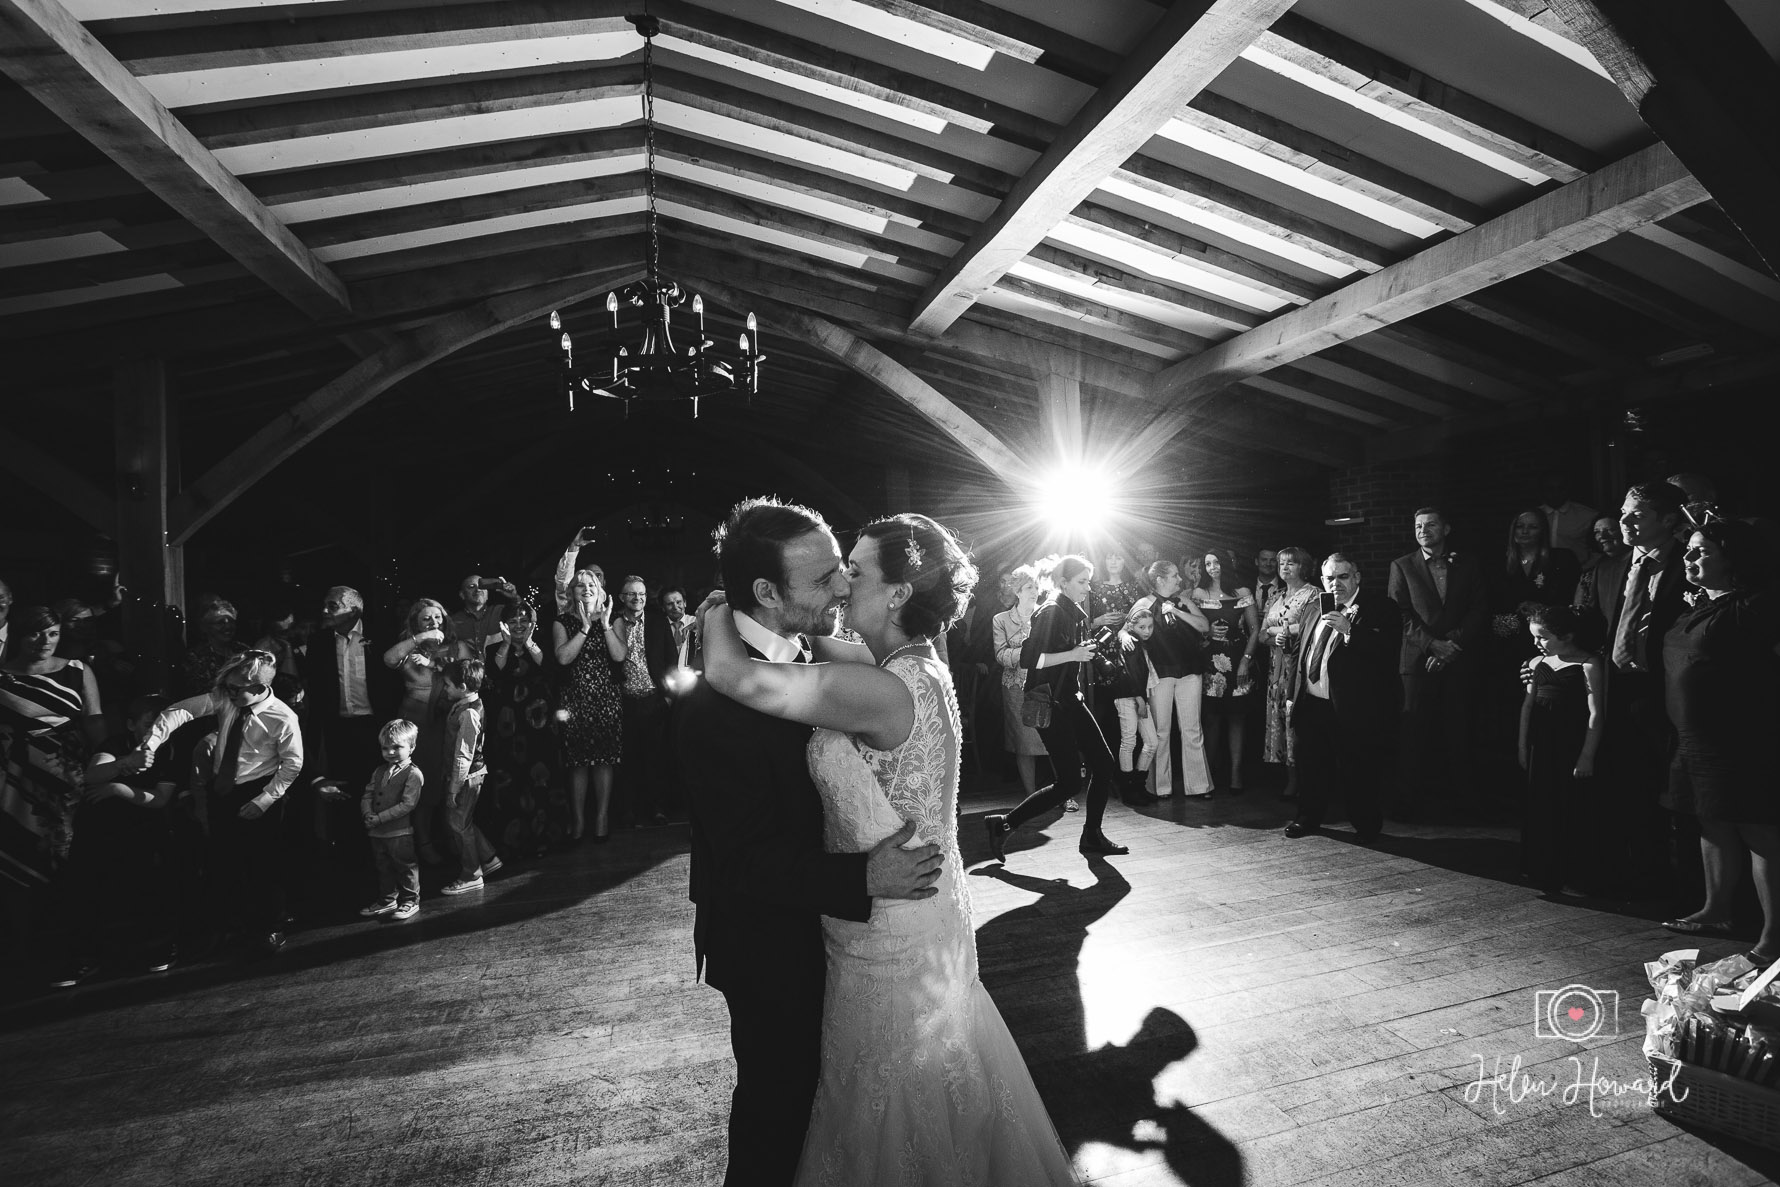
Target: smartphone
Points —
{"points": [[1326, 601]]}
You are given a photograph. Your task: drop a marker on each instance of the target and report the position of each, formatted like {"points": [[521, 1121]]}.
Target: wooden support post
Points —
{"points": [[150, 564]]}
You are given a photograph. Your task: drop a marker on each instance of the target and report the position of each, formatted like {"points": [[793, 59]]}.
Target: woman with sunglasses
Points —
{"points": [[257, 756]]}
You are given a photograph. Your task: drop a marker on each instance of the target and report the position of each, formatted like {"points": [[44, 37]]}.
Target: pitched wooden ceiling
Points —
{"points": [[1284, 229]]}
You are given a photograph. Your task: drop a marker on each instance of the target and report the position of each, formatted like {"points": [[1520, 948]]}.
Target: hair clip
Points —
{"points": [[914, 552]]}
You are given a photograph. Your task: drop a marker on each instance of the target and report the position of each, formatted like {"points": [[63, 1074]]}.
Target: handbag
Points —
{"points": [[1035, 709]]}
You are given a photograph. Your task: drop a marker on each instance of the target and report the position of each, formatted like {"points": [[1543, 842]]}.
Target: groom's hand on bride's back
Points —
{"points": [[894, 872]]}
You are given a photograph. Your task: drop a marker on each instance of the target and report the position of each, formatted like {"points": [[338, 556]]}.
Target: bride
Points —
{"points": [[921, 1081]]}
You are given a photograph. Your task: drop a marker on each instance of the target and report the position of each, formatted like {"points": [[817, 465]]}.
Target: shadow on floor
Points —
{"points": [[1029, 958]]}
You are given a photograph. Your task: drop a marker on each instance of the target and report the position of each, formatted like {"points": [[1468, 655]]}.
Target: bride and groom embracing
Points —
{"points": [[831, 907]]}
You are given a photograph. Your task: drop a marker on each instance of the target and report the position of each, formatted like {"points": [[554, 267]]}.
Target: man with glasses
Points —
{"points": [[649, 659], [257, 757]]}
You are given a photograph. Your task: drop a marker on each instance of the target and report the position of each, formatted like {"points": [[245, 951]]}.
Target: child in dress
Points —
{"points": [[1131, 700], [389, 801], [1560, 732]]}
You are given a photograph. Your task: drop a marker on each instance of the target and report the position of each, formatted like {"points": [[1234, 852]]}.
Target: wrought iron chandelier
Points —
{"points": [[656, 369]]}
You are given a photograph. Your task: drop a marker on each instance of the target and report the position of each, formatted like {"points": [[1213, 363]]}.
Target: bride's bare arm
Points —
{"points": [[857, 698]]}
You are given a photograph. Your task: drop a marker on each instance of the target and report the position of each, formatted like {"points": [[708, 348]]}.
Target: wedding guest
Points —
{"points": [[1701, 505], [1143, 555], [1562, 719], [1608, 546], [1289, 613], [1345, 704], [116, 893], [1235, 633], [524, 792], [464, 775], [1444, 602], [257, 758], [1721, 671], [592, 712], [215, 647], [1176, 653], [1012, 627], [1641, 598], [388, 803], [1113, 590], [287, 685], [1131, 691], [477, 627], [1532, 573], [1568, 522], [681, 628], [419, 655], [1268, 582], [50, 719], [567, 566], [643, 677], [1056, 656], [1192, 571]]}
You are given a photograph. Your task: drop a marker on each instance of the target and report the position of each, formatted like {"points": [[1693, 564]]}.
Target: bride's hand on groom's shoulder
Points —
{"points": [[894, 872]]}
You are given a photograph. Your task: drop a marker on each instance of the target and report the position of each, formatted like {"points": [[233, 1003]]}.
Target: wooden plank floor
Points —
{"points": [[1222, 1006]]}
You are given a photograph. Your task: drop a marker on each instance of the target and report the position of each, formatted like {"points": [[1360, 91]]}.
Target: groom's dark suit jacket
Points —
{"points": [[760, 878]]}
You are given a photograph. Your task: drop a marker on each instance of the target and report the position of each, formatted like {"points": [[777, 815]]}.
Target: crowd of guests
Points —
{"points": [[1612, 678], [313, 773]]}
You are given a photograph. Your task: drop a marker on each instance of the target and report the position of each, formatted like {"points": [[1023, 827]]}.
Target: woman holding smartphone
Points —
{"points": [[592, 710]]}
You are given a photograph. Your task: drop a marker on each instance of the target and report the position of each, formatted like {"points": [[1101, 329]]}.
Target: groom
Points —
{"points": [[760, 878]]}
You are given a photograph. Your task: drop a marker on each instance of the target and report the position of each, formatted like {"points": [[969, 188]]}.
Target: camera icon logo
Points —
{"points": [[1576, 1013]]}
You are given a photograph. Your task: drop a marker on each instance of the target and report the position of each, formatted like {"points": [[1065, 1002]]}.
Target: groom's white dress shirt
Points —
{"points": [[777, 648]]}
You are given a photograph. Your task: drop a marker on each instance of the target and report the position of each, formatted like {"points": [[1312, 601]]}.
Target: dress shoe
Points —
{"points": [[998, 833], [1298, 829], [1098, 844]]}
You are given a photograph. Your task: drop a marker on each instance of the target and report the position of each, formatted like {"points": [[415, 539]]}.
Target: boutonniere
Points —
{"points": [[1539, 581], [1451, 557], [1692, 597]]}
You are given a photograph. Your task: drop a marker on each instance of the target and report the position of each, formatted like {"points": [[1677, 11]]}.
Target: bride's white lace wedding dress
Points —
{"points": [[921, 1081]]}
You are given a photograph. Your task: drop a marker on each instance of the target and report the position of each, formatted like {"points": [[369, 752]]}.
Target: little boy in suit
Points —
{"points": [[390, 797]]}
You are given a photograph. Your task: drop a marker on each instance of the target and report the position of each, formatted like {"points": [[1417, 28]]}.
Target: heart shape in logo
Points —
{"points": [[1576, 1013]]}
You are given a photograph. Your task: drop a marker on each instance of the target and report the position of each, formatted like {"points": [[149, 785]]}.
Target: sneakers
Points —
{"points": [[404, 911], [1072, 806], [462, 886], [161, 959], [492, 866], [73, 973], [376, 909]]}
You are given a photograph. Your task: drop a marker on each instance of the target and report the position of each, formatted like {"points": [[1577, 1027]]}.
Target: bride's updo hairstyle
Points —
{"points": [[926, 555]]}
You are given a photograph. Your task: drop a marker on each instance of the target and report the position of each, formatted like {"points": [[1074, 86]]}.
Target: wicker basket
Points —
{"points": [[1715, 1101]]}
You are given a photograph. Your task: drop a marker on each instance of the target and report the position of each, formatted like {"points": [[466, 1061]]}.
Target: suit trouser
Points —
{"points": [[473, 849], [1181, 696], [1335, 760], [1437, 724], [644, 739], [775, 1031], [1638, 745], [1072, 738], [248, 859]]}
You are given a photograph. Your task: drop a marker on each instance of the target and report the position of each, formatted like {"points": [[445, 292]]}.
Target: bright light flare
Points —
{"points": [[1077, 501], [680, 681]]}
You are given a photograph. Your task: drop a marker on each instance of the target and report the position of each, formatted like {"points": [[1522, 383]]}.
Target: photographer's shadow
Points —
{"points": [[1029, 958]]}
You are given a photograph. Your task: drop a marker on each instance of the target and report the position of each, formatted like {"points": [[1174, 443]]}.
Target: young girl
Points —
{"points": [[1560, 731], [1131, 692]]}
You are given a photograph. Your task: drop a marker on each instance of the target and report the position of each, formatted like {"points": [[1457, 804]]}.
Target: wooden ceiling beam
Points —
{"points": [[1386, 80], [1700, 80], [1644, 186], [412, 351], [1009, 33], [1068, 264], [1152, 236], [50, 54], [1630, 291], [1191, 45]]}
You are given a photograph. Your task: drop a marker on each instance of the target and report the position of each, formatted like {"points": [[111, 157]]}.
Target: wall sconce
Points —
{"points": [[1344, 521]]}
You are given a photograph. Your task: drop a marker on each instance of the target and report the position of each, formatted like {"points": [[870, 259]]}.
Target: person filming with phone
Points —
{"points": [[1345, 704]]}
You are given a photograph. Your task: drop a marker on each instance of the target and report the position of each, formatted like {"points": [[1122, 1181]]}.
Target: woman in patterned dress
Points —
{"points": [[592, 712], [1283, 629], [527, 806], [1235, 631], [49, 722]]}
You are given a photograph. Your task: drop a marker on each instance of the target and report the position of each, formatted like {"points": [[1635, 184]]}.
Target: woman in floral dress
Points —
{"points": [[1282, 628], [1235, 633], [593, 714], [527, 804]]}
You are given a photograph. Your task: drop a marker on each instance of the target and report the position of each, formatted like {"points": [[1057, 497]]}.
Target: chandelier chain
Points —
{"points": [[649, 143]]}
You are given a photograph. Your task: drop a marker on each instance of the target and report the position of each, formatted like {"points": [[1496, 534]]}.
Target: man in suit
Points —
{"points": [[1344, 706], [1445, 608], [649, 658], [760, 878], [347, 696], [1640, 597]]}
